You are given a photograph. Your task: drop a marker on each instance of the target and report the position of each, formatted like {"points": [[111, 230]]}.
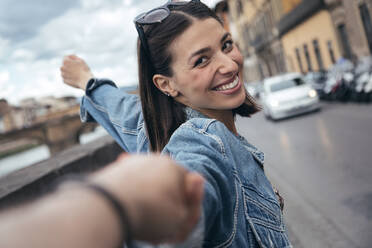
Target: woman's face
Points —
{"points": [[207, 68]]}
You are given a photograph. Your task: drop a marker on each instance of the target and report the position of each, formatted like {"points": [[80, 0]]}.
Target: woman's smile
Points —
{"points": [[229, 88]]}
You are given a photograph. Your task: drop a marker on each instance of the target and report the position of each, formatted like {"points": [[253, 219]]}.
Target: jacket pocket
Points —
{"points": [[264, 218]]}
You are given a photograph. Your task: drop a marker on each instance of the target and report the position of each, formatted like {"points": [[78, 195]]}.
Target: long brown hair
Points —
{"points": [[162, 114]]}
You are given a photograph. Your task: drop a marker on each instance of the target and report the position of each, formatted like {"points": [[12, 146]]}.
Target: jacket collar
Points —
{"points": [[257, 154], [191, 113]]}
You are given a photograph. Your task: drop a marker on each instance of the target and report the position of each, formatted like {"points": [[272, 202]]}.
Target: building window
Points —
{"points": [[2, 126], [331, 52], [299, 59], [270, 16], [246, 40], [344, 40], [280, 62], [318, 54], [283, 67], [307, 56], [239, 7], [366, 19], [260, 69], [246, 34], [261, 26], [277, 63]]}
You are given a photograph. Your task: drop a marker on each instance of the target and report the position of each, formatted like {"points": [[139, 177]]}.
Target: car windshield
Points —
{"points": [[286, 84]]}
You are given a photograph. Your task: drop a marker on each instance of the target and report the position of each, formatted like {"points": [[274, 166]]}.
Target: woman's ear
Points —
{"points": [[163, 83]]}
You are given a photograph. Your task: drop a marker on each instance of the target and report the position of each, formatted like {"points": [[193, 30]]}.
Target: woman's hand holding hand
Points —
{"points": [[163, 200], [75, 72]]}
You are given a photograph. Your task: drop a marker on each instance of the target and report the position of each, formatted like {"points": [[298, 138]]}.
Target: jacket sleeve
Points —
{"points": [[117, 111]]}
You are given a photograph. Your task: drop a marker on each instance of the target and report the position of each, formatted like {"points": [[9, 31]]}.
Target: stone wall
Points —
{"points": [[31, 182]]}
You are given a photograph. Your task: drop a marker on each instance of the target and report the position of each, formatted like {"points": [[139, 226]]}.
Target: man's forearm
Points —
{"points": [[159, 200], [78, 217]]}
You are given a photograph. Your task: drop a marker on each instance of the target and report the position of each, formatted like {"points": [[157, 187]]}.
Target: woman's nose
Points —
{"points": [[226, 64]]}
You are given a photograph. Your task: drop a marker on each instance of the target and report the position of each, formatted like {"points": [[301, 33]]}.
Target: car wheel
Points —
{"points": [[267, 115], [273, 119]]}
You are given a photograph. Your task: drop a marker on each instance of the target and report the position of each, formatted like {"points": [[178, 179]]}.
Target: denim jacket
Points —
{"points": [[240, 208]]}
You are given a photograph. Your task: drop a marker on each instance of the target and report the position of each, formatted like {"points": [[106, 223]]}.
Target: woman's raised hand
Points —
{"points": [[75, 72]]}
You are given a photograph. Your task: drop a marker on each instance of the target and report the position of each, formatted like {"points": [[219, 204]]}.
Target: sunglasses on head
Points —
{"points": [[156, 15]]}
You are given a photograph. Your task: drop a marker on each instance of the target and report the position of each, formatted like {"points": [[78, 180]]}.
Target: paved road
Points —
{"points": [[322, 165]]}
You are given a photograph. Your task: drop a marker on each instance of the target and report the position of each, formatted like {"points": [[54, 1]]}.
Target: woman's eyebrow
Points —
{"points": [[207, 49], [224, 37], [200, 51]]}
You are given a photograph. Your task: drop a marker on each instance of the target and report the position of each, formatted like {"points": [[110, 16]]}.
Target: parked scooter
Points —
{"points": [[358, 93], [368, 90], [344, 82], [342, 89]]}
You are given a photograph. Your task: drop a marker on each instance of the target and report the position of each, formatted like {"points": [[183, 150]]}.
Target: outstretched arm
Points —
{"points": [[117, 111], [162, 199]]}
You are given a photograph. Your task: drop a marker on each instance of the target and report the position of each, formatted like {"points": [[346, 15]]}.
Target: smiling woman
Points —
{"points": [[189, 68], [191, 88]]}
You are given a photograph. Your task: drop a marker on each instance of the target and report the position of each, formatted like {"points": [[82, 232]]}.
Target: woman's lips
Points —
{"points": [[229, 88]]}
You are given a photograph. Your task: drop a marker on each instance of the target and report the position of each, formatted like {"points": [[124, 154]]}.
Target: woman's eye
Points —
{"points": [[200, 61], [227, 46]]}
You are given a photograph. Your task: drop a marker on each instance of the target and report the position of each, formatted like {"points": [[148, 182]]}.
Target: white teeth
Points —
{"points": [[228, 86]]}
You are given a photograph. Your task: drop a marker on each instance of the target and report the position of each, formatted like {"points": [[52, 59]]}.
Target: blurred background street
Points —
{"points": [[321, 164]]}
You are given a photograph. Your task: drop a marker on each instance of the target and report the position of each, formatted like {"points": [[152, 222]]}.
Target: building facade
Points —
{"points": [[300, 35], [353, 24], [33, 111], [258, 38], [308, 36], [316, 33], [5, 121]]}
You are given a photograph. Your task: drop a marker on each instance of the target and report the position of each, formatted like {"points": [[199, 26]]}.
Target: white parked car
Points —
{"points": [[287, 95]]}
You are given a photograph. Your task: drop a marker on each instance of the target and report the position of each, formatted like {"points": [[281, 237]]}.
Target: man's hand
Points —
{"points": [[162, 198], [75, 72]]}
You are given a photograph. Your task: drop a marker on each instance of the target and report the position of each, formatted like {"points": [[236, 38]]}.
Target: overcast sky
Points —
{"points": [[36, 34]]}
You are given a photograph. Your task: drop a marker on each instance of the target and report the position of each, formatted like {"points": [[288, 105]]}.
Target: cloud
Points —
{"points": [[38, 81], [6, 91], [35, 35], [22, 55], [5, 87], [4, 77], [86, 31], [4, 48], [20, 20]]}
